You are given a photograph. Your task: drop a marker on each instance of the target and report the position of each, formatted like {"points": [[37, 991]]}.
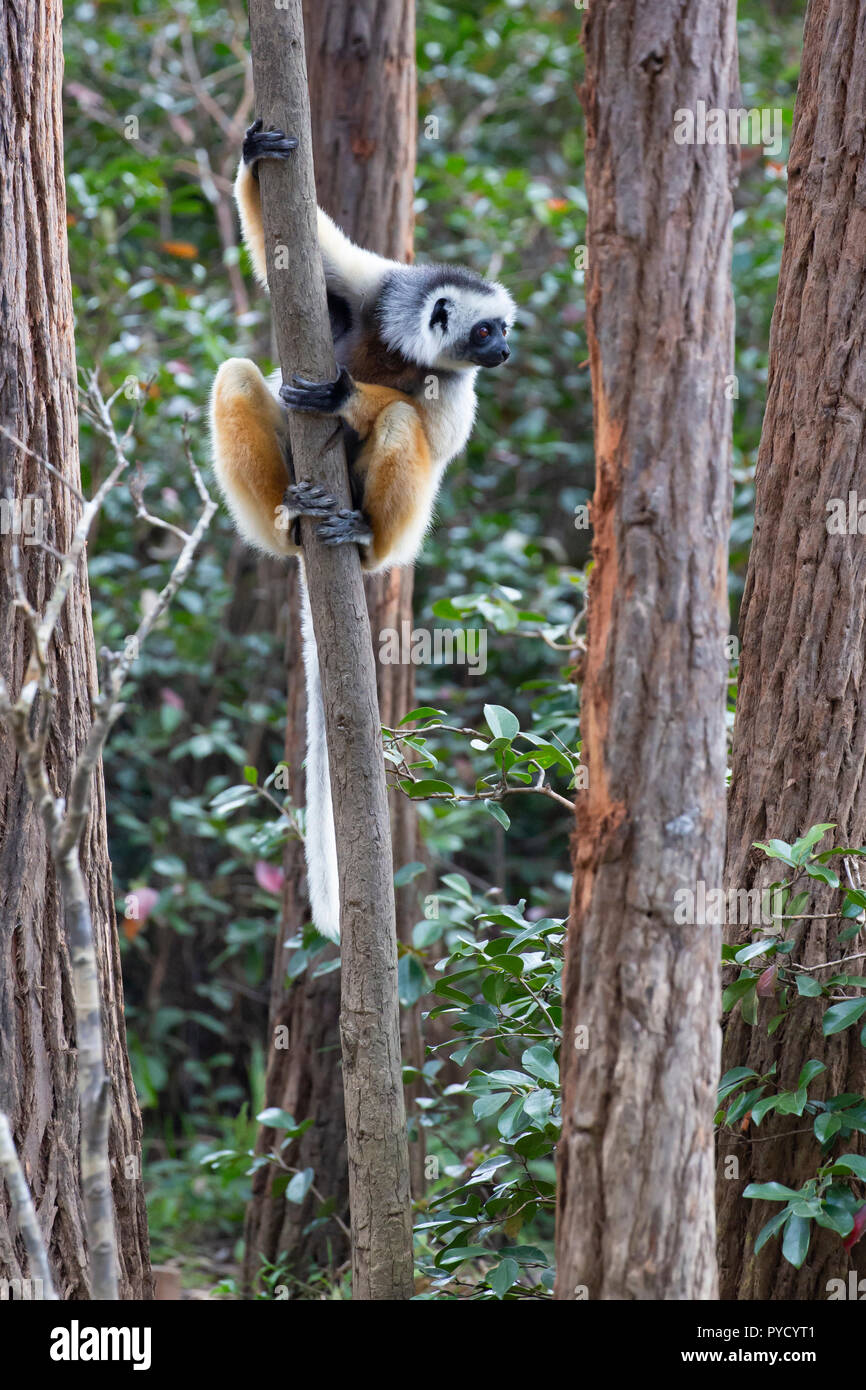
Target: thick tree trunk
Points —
{"points": [[361, 68], [640, 1041], [800, 734], [38, 407]]}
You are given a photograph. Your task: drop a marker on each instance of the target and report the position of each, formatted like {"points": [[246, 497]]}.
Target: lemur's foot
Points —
{"points": [[266, 144], [320, 397], [345, 526], [308, 499]]}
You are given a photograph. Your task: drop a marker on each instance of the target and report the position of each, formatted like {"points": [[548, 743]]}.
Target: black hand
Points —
{"points": [[310, 499], [266, 144], [321, 397], [345, 526]]}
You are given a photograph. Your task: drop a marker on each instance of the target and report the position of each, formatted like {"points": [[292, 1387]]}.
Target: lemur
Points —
{"points": [[408, 341]]}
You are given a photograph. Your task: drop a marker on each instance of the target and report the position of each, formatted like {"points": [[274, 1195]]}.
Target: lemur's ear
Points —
{"points": [[440, 314]]}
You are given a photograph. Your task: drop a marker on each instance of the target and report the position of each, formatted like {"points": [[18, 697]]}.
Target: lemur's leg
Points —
{"points": [[394, 464], [250, 445]]}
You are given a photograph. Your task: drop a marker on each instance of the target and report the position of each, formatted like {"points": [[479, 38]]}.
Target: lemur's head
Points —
{"points": [[446, 317]]}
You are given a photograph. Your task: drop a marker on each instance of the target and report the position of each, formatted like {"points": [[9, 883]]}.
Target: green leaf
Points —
{"points": [[795, 1242], [407, 872], [850, 1163], [300, 1185], [842, 1016], [773, 1225], [273, 1118], [422, 712], [735, 991], [732, 1079], [418, 790], [509, 1077], [762, 1108], [807, 987], [489, 1105], [511, 1119], [538, 1104], [825, 875], [800, 848], [495, 810], [755, 948], [810, 1070], [501, 722], [503, 1276], [251, 775], [777, 849], [541, 1062], [412, 980], [458, 884], [826, 1126], [769, 1191]]}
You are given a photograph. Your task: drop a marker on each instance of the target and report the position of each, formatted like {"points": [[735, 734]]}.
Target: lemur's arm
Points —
{"points": [[349, 269]]}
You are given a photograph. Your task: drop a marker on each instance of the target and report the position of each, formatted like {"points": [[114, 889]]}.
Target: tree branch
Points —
{"points": [[375, 1116]]}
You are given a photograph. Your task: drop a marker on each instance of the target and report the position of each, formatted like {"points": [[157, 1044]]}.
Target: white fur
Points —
{"points": [[448, 423], [349, 268], [320, 841]]}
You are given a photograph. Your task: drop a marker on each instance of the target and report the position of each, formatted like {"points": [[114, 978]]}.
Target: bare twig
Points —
{"points": [[25, 1212], [65, 823]]}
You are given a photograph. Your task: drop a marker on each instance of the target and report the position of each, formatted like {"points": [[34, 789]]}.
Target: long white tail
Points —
{"points": [[323, 881]]}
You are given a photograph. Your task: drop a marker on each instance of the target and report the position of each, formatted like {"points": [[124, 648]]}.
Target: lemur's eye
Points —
{"points": [[482, 332], [505, 330]]}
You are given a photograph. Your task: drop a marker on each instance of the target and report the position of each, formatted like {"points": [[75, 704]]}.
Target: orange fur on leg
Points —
{"points": [[398, 477], [249, 442]]}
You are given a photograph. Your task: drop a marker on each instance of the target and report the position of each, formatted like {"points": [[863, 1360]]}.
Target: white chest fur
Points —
{"points": [[449, 414]]}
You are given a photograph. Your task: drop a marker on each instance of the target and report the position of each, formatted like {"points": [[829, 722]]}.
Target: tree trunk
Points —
{"points": [[800, 734], [38, 406], [363, 107], [641, 1045], [369, 1013]]}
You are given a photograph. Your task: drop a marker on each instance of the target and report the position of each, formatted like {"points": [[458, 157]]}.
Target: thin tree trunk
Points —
{"points": [[38, 407], [369, 1014], [800, 734], [361, 67], [640, 1041]]}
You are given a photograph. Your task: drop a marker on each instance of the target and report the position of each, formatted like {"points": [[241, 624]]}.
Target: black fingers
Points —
{"points": [[266, 144], [321, 397], [310, 499], [345, 526]]}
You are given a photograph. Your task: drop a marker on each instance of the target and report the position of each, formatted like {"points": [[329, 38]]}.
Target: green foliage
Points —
{"points": [[485, 1230], [770, 971]]}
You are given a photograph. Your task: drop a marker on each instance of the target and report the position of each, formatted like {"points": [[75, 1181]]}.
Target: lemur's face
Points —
{"points": [[468, 328], [487, 345]]}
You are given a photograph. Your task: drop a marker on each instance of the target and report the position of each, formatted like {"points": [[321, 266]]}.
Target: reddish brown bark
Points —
{"points": [[800, 735], [38, 407], [635, 1202]]}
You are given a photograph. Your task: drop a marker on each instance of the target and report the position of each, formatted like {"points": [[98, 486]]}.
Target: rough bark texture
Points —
{"points": [[635, 1206], [369, 1015], [38, 407], [361, 68], [800, 735]]}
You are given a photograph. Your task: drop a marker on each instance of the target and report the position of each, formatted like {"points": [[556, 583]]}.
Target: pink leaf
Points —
{"points": [[269, 876]]}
